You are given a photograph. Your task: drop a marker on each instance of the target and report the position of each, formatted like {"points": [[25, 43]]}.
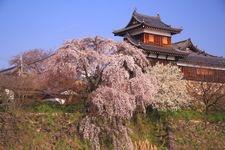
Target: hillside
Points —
{"points": [[46, 126], [105, 95]]}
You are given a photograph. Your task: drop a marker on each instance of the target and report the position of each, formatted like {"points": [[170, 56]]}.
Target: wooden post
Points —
{"points": [[21, 65]]}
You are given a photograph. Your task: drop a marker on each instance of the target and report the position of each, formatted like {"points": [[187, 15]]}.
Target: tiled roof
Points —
{"points": [[198, 56], [190, 56], [148, 21], [155, 49], [123, 31], [188, 46], [196, 59], [155, 22]]}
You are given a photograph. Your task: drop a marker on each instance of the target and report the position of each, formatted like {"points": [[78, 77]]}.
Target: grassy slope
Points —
{"points": [[42, 126], [50, 126], [191, 130]]}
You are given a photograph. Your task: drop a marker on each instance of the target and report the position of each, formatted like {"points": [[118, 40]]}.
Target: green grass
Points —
{"points": [[2, 109], [187, 115], [49, 107], [215, 116], [150, 127]]}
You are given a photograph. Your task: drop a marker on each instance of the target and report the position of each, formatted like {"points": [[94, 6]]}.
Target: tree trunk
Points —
{"points": [[170, 138]]}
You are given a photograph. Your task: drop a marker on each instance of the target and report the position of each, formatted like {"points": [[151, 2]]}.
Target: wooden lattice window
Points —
{"points": [[157, 40], [165, 40], [149, 38]]}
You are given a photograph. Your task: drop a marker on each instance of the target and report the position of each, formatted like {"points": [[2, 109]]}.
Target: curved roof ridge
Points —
{"points": [[131, 40], [147, 16], [184, 44], [186, 40]]}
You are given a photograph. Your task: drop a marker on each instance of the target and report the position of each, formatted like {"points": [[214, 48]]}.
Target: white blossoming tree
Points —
{"points": [[172, 94]]}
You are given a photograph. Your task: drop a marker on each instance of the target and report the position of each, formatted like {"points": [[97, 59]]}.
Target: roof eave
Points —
{"points": [[176, 31], [166, 53], [171, 30], [203, 65], [123, 31]]}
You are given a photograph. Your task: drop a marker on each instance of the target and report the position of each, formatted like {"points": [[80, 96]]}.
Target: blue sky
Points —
{"points": [[46, 24]]}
